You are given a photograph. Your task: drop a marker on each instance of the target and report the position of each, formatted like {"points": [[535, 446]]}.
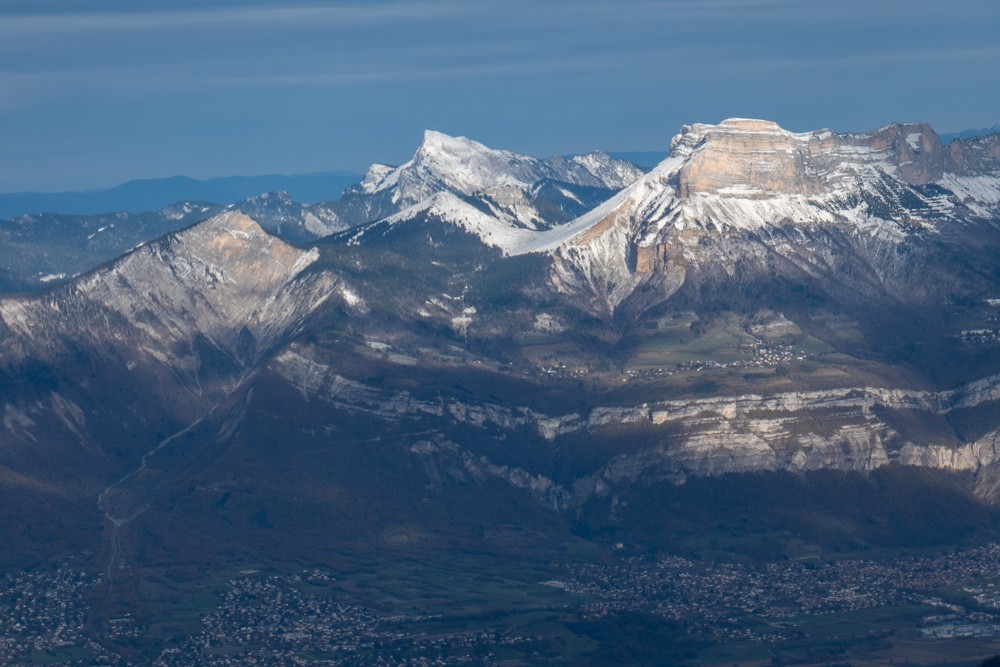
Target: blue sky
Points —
{"points": [[94, 92]]}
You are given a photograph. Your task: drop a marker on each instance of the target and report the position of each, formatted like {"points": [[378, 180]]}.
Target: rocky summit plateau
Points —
{"points": [[489, 352]]}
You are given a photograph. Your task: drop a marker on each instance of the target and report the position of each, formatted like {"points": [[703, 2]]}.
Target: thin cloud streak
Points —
{"points": [[325, 79], [353, 16], [888, 58], [197, 76]]}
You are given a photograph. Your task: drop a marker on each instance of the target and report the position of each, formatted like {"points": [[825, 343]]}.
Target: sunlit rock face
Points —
{"points": [[758, 159], [225, 281], [976, 156], [848, 429], [747, 195], [95, 372]]}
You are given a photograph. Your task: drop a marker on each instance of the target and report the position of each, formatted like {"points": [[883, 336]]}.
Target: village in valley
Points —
{"points": [[316, 616]]}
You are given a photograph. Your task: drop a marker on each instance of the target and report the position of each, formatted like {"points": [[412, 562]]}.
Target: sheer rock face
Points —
{"points": [[976, 156], [848, 429], [758, 159], [914, 149], [754, 156]]}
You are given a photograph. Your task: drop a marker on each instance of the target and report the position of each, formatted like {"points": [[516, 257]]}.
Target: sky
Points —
{"points": [[94, 92]]}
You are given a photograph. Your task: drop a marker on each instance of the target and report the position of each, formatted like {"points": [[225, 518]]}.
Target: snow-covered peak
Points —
{"points": [[467, 166], [741, 174], [444, 146], [726, 191], [503, 181], [443, 162]]}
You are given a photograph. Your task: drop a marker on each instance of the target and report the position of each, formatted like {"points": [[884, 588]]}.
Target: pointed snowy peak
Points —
{"points": [[436, 144], [467, 167], [443, 162]]}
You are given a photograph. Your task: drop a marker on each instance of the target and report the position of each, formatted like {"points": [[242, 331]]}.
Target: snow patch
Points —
{"points": [[446, 207], [981, 194]]}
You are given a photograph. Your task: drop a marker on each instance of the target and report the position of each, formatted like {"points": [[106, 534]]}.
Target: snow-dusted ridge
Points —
{"points": [[646, 188]]}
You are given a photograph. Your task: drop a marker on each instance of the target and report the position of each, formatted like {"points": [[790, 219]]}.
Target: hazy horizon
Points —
{"points": [[96, 97]]}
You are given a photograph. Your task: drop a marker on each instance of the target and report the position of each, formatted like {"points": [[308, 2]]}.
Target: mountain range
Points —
{"points": [[971, 133], [152, 194], [47, 248], [476, 349]]}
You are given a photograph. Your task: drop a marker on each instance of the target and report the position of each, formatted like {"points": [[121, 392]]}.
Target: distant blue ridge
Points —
{"points": [[156, 193], [969, 134]]}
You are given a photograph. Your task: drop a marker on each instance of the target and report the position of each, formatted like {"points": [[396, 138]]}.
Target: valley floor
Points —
{"points": [[930, 608]]}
